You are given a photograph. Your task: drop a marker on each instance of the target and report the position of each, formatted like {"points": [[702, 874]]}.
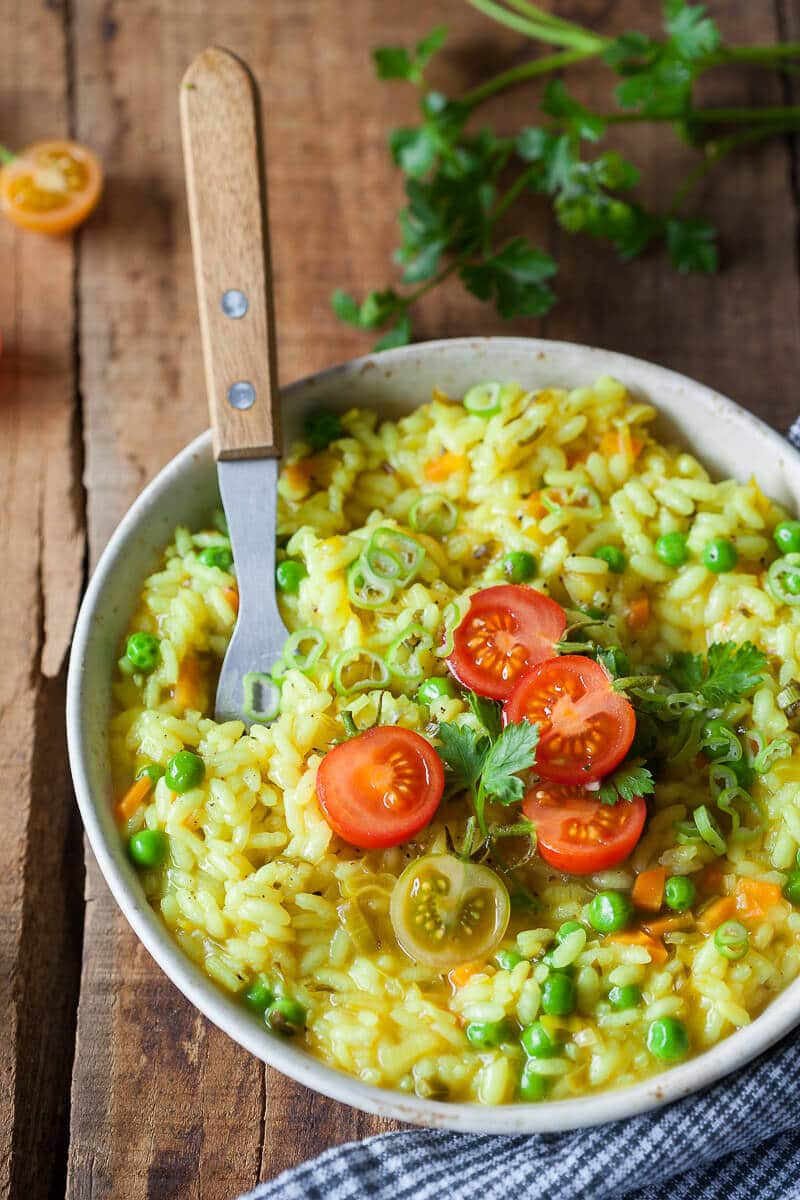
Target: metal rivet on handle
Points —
{"points": [[234, 303], [241, 395]]}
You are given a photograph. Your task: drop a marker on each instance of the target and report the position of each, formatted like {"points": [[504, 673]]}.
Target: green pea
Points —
{"points": [[322, 427], [612, 555], [143, 651], [791, 889], [719, 740], [720, 556], [216, 556], [671, 548], [732, 940], [185, 770], [679, 892], [519, 566], [609, 912], [537, 1042], [559, 995], [153, 771], [435, 688], [289, 575], [628, 996], [483, 1035], [667, 1039], [508, 959], [286, 1016], [566, 929], [258, 996], [532, 1086], [787, 537], [148, 847]]}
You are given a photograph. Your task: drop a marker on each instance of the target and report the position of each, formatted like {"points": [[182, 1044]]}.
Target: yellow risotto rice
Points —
{"points": [[256, 886]]}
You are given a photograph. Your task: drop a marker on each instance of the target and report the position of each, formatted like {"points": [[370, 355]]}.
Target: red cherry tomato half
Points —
{"points": [[579, 835], [506, 631], [585, 727], [380, 788]]}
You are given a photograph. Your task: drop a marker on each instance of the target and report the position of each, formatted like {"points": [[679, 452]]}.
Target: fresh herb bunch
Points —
{"points": [[461, 181]]}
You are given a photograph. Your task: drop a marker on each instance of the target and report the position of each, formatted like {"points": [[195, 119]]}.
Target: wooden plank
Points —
{"points": [[41, 541], [163, 1105]]}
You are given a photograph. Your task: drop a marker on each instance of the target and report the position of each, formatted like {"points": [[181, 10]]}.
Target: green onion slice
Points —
{"points": [[686, 832], [783, 579], [367, 590], [452, 617], [382, 563], [721, 777], [754, 742], [732, 940], [733, 752], [262, 696], [302, 652], [778, 748], [709, 830], [484, 400], [725, 803], [578, 499], [433, 514], [404, 654], [404, 548], [359, 670]]}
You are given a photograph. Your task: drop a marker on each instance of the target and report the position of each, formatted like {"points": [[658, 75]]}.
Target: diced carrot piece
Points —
{"points": [[669, 924], [444, 466], [462, 974], [711, 878], [298, 477], [576, 456], [638, 611], [637, 937], [534, 506], [755, 898], [717, 912], [136, 794], [620, 442], [190, 681], [648, 890], [231, 594]]}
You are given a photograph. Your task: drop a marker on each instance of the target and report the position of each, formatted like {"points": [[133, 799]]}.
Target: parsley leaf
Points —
{"points": [[398, 335], [512, 752], [630, 780], [396, 62], [728, 672], [557, 102], [488, 712], [692, 245], [514, 278], [693, 34], [463, 751]]}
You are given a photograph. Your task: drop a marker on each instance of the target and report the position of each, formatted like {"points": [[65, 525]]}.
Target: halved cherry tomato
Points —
{"points": [[51, 186], [506, 630], [445, 911], [579, 835], [380, 788], [585, 727]]}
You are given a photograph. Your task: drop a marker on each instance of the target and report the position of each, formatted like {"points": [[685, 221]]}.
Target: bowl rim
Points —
{"points": [[594, 1108]]}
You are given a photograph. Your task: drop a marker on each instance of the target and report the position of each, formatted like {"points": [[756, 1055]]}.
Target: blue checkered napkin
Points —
{"points": [[739, 1140]]}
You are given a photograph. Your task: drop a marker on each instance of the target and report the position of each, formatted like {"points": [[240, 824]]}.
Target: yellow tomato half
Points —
{"points": [[51, 186]]}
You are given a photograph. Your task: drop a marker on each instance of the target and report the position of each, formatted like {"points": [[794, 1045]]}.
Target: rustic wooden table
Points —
{"points": [[112, 1085]]}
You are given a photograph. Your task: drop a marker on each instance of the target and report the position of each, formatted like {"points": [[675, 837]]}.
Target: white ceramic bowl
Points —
{"points": [[729, 440]]}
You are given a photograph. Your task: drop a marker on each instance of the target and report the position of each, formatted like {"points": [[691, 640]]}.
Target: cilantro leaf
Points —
{"points": [[514, 751], [514, 278], [692, 245], [693, 34], [630, 780], [488, 712], [557, 102], [728, 672], [396, 62], [398, 335], [464, 751]]}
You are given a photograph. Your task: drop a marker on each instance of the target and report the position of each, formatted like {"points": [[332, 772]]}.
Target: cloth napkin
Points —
{"points": [[738, 1140]]}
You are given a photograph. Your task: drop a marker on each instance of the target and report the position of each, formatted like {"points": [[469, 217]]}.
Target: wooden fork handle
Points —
{"points": [[223, 155]]}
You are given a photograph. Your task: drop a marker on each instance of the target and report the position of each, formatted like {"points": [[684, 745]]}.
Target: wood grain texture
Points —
{"points": [[163, 1106], [41, 548], [223, 158]]}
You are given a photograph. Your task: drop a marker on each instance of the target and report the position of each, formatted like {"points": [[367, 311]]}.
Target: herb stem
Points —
{"points": [[714, 153], [709, 116], [541, 27], [522, 73]]}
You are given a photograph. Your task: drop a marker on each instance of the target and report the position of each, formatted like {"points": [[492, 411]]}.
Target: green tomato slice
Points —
{"points": [[446, 911]]}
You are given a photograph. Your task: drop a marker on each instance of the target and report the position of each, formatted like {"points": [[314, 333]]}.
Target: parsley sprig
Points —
{"points": [[488, 767], [462, 181]]}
